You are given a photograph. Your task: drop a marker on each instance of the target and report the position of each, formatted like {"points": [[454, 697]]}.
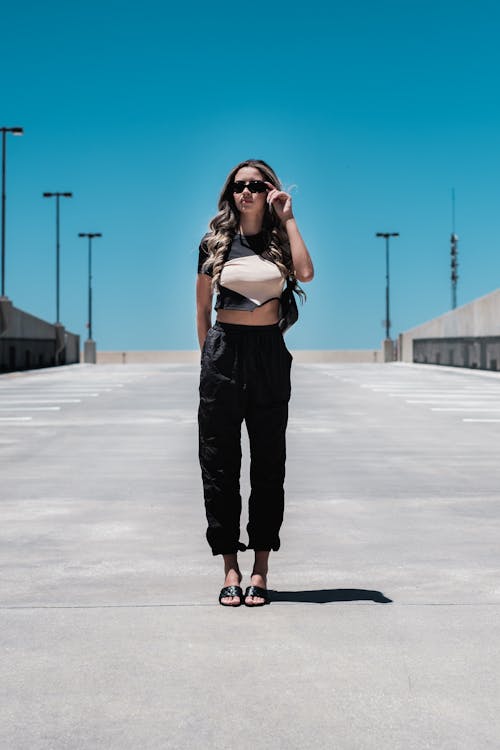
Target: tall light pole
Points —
{"points": [[57, 196], [387, 305], [90, 349], [4, 131]]}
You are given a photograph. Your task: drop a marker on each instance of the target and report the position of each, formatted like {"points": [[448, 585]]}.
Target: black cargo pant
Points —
{"points": [[245, 375]]}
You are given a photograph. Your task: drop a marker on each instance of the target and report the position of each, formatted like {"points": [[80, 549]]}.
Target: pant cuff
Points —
{"points": [[264, 546], [229, 550]]}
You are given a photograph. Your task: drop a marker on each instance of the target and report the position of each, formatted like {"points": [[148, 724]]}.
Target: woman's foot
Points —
{"points": [[233, 578], [260, 580]]}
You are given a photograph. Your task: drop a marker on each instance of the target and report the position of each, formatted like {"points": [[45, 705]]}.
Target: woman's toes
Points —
{"points": [[230, 601], [253, 601]]}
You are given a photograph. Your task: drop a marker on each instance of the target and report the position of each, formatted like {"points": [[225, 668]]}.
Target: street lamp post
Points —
{"points": [[4, 131], [89, 346], [387, 303], [57, 196]]}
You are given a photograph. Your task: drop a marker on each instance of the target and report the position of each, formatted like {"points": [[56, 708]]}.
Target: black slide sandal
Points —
{"points": [[257, 591], [231, 591]]}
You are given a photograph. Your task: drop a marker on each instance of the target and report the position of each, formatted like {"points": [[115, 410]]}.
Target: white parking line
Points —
{"points": [[473, 398], [416, 389], [37, 389], [38, 394], [445, 397], [30, 408], [68, 389], [41, 401], [15, 419], [443, 392], [480, 420], [455, 402], [463, 408]]}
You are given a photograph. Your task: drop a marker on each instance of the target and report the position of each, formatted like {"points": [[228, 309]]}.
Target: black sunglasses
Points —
{"points": [[255, 186]]}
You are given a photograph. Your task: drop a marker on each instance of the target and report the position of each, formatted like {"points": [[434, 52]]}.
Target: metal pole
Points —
{"points": [[454, 254], [4, 134], [14, 131], [90, 236], [90, 288], [57, 257], [57, 196], [387, 318], [386, 236]]}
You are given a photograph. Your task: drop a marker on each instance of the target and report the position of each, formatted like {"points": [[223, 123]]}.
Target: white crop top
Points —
{"points": [[247, 279]]}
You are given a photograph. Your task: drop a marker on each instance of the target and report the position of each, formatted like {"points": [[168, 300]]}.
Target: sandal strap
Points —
{"points": [[231, 591], [257, 591]]}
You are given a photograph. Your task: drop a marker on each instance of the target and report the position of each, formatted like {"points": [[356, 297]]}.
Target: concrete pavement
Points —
{"points": [[383, 631]]}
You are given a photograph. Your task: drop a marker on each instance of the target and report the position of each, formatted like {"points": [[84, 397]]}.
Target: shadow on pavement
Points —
{"points": [[324, 596]]}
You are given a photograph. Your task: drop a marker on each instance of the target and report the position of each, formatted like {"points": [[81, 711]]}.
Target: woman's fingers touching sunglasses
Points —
{"points": [[255, 186]]}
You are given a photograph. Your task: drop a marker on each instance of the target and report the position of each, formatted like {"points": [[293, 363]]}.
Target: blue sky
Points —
{"points": [[373, 110]]}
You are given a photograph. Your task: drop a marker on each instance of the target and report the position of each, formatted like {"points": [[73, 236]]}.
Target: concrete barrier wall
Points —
{"points": [[137, 357], [477, 319], [28, 342], [482, 352], [142, 357], [338, 355]]}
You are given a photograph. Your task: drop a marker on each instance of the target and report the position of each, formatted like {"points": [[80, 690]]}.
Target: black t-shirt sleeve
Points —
{"points": [[203, 255]]}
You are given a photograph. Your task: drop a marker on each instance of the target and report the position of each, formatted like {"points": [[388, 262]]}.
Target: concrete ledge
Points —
{"points": [[478, 318], [151, 357], [357, 356], [181, 356], [28, 342]]}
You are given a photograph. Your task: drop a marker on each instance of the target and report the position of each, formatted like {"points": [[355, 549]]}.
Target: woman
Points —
{"points": [[253, 247]]}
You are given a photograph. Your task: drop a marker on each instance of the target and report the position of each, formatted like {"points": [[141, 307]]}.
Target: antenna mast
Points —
{"points": [[454, 253]]}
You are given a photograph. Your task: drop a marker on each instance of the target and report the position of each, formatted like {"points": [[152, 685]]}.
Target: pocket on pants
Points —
{"points": [[275, 363], [217, 363]]}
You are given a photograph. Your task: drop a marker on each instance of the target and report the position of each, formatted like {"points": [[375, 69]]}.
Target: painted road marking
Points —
{"points": [[462, 408], [30, 408], [480, 420], [42, 401], [47, 393], [15, 419], [445, 397], [457, 401]]}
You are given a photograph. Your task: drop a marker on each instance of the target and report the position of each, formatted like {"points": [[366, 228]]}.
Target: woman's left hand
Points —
{"points": [[281, 202]]}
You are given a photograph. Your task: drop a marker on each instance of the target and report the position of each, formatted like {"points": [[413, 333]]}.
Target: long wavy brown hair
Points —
{"points": [[225, 224]]}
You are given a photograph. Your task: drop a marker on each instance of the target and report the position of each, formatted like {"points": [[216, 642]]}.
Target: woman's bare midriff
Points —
{"points": [[266, 315]]}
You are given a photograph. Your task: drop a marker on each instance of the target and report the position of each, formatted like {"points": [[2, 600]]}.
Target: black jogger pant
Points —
{"points": [[245, 375]]}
